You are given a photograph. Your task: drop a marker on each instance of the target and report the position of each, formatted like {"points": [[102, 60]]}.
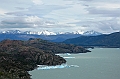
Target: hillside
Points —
{"points": [[110, 40], [17, 57], [55, 47]]}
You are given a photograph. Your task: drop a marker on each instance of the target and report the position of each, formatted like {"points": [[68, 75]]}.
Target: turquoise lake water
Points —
{"points": [[101, 63]]}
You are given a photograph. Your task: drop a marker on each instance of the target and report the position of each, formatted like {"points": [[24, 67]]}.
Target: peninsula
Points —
{"points": [[17, 56]]}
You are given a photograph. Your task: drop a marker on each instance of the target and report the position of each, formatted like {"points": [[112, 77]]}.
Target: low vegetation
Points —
{"points": [[109, 40], [17, 57]]}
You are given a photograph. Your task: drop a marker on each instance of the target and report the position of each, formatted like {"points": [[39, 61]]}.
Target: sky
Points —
{"points": [[60, 15]]}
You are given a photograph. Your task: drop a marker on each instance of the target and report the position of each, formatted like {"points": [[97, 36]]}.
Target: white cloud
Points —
{"points": [[103, 8], [104, 26], [109, 6], [37, 2], [99, 15], [2, 12], [28, 22]]}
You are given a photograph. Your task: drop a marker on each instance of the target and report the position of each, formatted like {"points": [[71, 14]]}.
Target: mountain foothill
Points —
{"points": [[105, 40]]}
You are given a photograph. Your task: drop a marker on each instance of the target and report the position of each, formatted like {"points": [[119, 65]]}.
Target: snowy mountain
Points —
{"points": [[11, 32], [85, 33], [74, 32], [46, 32], [91, 33], [78, 32], [106, 40]]}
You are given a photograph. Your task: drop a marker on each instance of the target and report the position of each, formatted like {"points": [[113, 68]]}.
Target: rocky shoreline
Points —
{"points": [[16, 66], [17, 57]]}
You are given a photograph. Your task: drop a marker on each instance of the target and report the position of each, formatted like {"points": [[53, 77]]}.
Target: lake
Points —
{"points": [[101, 63]]}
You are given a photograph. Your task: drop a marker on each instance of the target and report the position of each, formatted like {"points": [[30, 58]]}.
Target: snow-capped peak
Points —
{"points": [[78, 32], [74, 32], [11, 32], [91, 33], [45, 32], [58, 33]]}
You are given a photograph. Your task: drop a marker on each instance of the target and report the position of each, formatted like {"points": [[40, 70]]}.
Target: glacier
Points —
{"points": [[68, 57], [44, 67]]}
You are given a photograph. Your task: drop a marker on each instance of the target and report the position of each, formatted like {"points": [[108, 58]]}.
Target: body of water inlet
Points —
{"points": [[101, 63]]}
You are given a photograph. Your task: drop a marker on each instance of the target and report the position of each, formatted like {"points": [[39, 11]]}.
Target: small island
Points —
{"points": [[17, 57]]}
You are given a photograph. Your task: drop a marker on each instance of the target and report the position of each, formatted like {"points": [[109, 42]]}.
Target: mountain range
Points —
{"points": [[105, 40], [88, 38], [45, 34]]}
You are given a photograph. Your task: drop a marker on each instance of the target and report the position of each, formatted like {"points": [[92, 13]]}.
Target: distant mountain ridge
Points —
{"points": [[91, 33], [46, 32], [109, 40]]}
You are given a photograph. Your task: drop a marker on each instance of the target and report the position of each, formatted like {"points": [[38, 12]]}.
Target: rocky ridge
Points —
{"points": [[17, 57]]}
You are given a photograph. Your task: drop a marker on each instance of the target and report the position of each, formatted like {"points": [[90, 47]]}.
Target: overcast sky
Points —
{"points": [[60, 15]]}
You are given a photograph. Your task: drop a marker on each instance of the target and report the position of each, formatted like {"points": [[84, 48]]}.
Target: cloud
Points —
{"points": [[36, 10], [104, 26], [33, 23], [104, 9], [104, 12], [26, 22], [2, 12], [85, 0], [20, 8], [99, 15], [78, 0], [37, 2]]}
